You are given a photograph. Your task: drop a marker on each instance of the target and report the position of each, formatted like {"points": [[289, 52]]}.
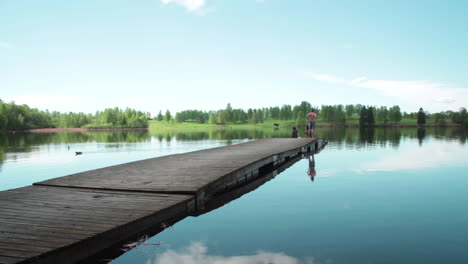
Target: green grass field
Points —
{"points": [[353, 121]]}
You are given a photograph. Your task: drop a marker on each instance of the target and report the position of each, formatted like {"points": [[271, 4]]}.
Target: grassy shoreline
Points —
{"points": [[163, 125], [282, 123]]}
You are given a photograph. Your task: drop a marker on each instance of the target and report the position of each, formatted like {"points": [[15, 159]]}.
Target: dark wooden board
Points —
{"points": [[37, 220], [9, 260], [187, 172]]}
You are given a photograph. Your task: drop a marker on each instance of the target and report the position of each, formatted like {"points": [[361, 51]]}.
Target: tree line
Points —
{"points": [[21, 117], [231, 115], [339, 114]]}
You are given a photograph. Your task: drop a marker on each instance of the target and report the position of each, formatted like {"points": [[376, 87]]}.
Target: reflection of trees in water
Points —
{"points": [[371, 137], [366, 135], [22, 142], [220, 134], [340, 137], [421, 135], [3, 148], [391, 136]]}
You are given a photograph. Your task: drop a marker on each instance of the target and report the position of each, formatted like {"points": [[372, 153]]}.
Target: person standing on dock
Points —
{"points": [[312, 116]]}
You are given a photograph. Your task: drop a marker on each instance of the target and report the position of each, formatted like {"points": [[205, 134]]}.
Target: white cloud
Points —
{"points": [[325, 77], [420, 92], [4, 45], [445, 100], [429, 156], [190, 5], [423, 93], [196, 253], [358, 80]]}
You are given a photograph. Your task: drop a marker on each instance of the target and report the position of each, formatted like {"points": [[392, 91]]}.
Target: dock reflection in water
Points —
{"points": [[215, 202]]}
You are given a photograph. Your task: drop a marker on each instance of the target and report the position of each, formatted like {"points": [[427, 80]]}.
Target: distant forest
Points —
{"points": [[339, 114], [21, 117]]}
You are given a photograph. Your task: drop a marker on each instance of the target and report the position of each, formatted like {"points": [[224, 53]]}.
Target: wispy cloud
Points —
{"points": [[445, 100], [325, 77], [189, 5], [418, 158], [4, 45], [421, 92], [196, 253]]}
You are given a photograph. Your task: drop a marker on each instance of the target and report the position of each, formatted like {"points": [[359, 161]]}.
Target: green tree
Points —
{"points": [[261, 118], [349, 110], [212, 118], [275, 112], [363, 117], [228, 113], [301, 120], [178, 117], [394, 114], [439, 118], [286, 112], [160, 116], [255, 118], [421, 117], [382, 115], [168, 116], [340, 114], [370, 116], [366, 118], [3, 117], [460, 117], [221, 117]]}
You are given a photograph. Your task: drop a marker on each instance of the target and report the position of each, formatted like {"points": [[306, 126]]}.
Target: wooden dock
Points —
{"points": [[71, 218]]}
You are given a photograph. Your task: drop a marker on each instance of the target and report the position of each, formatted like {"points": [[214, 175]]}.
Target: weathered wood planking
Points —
{"points": [[189, 173], [67, 219], [40, 224]]}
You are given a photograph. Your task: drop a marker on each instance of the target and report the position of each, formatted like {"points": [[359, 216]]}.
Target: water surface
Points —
{"points": [[379, 196]]}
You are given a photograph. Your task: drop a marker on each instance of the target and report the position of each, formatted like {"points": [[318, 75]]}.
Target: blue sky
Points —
{"points": [[201, 54]]}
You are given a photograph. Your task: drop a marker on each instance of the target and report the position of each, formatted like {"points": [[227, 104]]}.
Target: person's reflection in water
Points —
{"points": [[311, 172]]}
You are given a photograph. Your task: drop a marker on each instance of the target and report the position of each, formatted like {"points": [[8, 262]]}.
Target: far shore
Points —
{"points": [[57, 130], [185, 126]]}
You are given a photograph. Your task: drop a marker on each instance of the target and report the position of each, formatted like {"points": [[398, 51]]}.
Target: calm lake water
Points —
{"points": [[380, 196]]}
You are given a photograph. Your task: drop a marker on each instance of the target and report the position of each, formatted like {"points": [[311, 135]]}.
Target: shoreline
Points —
{"points": [[179, 126], [58, 130]]}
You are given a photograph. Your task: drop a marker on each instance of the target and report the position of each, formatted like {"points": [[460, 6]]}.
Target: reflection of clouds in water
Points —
{"points": [[417, 158], [329, 172], [196, 253], [347, 205]]}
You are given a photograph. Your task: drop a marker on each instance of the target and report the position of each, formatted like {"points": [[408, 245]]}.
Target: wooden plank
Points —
{"points": [[9, 260], [39, 234], [88, 227], [29, 248], [80, 215], [59, 230], [95, 221], [19, 254], [179, 173], [37, 241]]}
